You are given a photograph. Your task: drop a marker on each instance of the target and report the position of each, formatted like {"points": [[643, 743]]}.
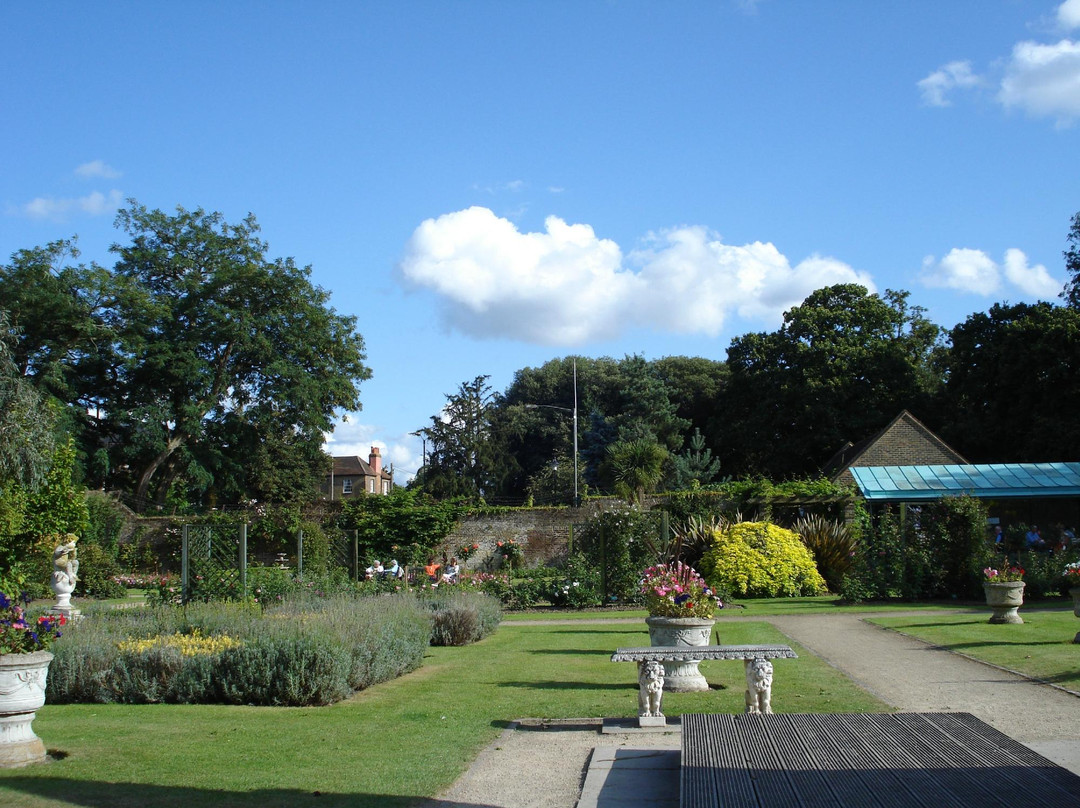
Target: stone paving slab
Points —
{"points": [[626, 776]]}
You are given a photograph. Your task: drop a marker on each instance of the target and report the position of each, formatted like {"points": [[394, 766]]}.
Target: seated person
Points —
{"points": [[450, 574], [431, 570], [394, 571], [1034, 539]]}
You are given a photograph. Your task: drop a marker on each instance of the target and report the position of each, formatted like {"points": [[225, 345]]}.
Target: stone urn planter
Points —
{"points": [[1005, 599], [1075, 593], [22, 694], [681, 677]]}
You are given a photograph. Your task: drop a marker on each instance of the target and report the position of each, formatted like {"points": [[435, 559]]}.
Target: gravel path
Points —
{"points": [[542, 765]]}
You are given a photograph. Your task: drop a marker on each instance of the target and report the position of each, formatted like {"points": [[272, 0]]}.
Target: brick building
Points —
{"points": [[351, 475], [906, 441]]}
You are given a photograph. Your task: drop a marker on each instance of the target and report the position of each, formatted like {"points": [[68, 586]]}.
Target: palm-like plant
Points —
{"points": [[636, 468]]}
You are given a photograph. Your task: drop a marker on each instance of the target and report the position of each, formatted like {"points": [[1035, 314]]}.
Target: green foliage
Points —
{"points": [[98, 571], [696, 466], [461, 450], [1013, 374], [26, 439], [935, 550], [1043, 572], [956, 531], [841, 366], [578, 587], [461, 617], [302, 652], [635, 468], [1071, 293], [619, 545], [408, 525], [758, 559], [224, 367], [833, 545], [58, 505], [105, 523]]}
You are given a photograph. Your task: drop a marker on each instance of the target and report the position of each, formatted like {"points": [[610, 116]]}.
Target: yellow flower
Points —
{"points": [[192, 644]]}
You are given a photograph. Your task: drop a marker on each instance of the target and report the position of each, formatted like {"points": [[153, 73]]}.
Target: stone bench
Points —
{"points": [[650, 661]]}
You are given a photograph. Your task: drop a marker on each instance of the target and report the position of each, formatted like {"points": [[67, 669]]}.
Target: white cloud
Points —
{"points": [[1044, 80], [566, 286], [97, 168], [963, 269], [1033, 280], [1068, 14], [974, 271], [938, 84], [94, 204], [352, 438]]}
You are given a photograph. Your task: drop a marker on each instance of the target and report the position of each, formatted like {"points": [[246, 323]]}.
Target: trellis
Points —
{"points": [[213, 564], [344, 552]]}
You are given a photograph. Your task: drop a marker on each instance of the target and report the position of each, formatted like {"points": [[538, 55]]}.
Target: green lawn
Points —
{"points": [[1041, 647], [387, 745]]}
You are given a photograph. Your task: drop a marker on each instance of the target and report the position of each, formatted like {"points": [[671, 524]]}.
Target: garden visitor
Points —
{"points": [[450, 574], [999, 536], [1034, 539], [394, 570], [431, 569]]}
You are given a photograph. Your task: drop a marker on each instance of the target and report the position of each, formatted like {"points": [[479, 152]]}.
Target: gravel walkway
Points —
{"points": [[541, 765]]}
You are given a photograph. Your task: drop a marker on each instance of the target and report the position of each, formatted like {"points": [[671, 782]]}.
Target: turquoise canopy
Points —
{"points": [[987, 481]]}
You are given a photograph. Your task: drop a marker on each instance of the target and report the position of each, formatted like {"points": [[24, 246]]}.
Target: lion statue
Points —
{"points": [[651, 682], [759, 675]]}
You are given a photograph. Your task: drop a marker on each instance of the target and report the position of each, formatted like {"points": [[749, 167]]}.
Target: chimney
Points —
{"points": [[375, 461]]}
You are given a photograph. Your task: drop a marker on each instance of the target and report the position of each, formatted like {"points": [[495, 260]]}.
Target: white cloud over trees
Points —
{"points": [[567, 286]]}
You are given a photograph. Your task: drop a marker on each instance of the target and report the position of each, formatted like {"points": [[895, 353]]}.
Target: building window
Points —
{"points": [[386, 487], [346, 486], [371, 485]]}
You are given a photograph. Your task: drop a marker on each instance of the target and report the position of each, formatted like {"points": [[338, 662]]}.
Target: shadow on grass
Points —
{"points": [[100, 794], [562, 684], [561, 630], [575, 651]]}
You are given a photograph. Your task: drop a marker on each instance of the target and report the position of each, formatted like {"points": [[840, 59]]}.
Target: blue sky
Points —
{"points": [[490, 185]]}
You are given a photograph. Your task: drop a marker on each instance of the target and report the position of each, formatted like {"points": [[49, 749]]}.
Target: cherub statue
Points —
{"points": [[65, 571], [651, 683], [759, 675]]}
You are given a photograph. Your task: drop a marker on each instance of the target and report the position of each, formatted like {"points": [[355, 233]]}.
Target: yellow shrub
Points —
{"points": [[757, 559]]}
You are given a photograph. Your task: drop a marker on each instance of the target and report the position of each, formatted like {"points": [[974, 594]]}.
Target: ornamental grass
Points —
{"points": [[302, 652]]}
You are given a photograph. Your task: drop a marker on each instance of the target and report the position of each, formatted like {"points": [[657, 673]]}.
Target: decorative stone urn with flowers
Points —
{"points": [[1072, 577], [1004, 590], [24, 665], [681, 608]]}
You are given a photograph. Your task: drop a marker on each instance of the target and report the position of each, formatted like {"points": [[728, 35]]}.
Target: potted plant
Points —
{"points": [[24, 664], [1004, 590], [1072, 576], [681, 607]]}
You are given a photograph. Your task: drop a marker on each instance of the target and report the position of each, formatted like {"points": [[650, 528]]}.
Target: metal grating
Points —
{"points": [[904, 760]]}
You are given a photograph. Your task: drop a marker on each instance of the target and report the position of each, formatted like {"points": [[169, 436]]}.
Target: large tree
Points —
{"points": [[26, 440], [215, 338], [1072, 265], [843, 363], [461, 453], [1012, 380]]}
